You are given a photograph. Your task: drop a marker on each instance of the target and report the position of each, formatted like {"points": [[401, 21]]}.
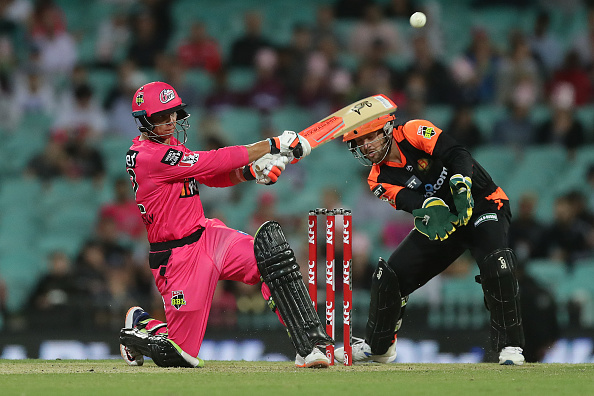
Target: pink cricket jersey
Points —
{"points": [[165, 180]]}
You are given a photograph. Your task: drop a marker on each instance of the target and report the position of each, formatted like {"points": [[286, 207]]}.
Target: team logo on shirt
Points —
{"points": [[413, 183], [178, 299], [423, 164], [139, 98], [166, 95], [172, 157], [426, 132]]}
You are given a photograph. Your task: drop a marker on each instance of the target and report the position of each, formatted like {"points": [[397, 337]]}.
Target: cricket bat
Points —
{"points": [[347, 119]]}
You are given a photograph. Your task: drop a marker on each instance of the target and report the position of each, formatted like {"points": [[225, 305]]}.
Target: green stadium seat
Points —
{"points": [[242, 125], [549, 273], [240, 79], [499, 161]]}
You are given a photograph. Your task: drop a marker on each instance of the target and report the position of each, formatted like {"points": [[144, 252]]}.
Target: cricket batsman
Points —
{"points": [[190, 253], [456, 206]]}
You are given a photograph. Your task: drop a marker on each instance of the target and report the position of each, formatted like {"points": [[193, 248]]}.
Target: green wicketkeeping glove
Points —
{"points": [[462, 194], [434, 219]]}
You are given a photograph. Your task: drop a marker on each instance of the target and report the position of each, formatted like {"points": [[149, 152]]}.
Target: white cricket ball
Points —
{"points": [[418, 19]]}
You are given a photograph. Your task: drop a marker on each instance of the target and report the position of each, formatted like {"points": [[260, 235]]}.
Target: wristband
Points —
{"points": [[248, 173]]}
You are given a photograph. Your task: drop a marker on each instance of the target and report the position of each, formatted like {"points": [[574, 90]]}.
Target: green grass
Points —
{"points": [[113, 377]]}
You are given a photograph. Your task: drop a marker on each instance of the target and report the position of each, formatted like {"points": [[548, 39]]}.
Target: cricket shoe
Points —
{"points": [[362, 353], [316, 359], [133, 317], [511, 356]]}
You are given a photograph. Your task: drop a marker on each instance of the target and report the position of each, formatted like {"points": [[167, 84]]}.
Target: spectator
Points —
{"points": [[245, 48], [52, 162], [350, 9], [565, 239], [199, 50], [81, 117], [123, 211], [33, 95], [516, 128], [562, 128], [46, 20], [221, 97], [117, 100], [54, 302], [439, 82], [268, 92], [517, 67], [399, 9], [172, 71], [148, 40], [539, 317], [464, 129], [325, 27], [573, 73], [294, 58], [90, 271], [112, 37], [374, 27], [544, 46], [525, 230], [583, 42], [484, 59]]}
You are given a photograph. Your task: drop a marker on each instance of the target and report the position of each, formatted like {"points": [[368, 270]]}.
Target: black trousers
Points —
{"points": [[418, 259]]}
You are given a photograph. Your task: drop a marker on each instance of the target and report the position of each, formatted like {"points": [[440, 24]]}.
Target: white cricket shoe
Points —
{"points": [[511, 356], [362, 353], [316, 359], [130, 355]]}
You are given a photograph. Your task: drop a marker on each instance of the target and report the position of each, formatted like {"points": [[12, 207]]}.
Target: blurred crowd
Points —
{"points": [[319, 67]]}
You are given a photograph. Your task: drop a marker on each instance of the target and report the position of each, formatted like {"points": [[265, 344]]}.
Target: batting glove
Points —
{"points": [[462, 194], [267, 169], [434, 219], [291, 145]]}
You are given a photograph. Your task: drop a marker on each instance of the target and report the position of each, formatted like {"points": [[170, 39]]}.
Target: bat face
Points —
{"points": [[347, 119]]}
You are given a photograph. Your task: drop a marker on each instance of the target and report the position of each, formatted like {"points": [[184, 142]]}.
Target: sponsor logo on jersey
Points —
{"points": [[166, 95], [378, 191], [190, 188], [431, 189], [409, 168], [189, 160], [426, 132], [177, 299], [139, 98], [413, 183], [172, 157], [485, 217], [131, 159]]}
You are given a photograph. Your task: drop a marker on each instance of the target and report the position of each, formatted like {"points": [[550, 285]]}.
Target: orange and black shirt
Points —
{"points": [[428, 159]]}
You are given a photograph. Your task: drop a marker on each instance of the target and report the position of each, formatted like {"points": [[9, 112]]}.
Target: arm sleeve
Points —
{"points": [[399, 197], [206, 166], [455, 157]]}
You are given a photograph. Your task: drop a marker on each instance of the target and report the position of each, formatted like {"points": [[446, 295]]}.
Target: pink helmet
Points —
{"points": [[158, 98]]}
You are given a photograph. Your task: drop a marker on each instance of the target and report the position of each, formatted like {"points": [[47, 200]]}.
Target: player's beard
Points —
{"points": [[379, 155]]}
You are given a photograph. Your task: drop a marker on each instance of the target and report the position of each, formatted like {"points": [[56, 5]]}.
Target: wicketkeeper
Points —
{"points": [[417, 168], [190, 253]]}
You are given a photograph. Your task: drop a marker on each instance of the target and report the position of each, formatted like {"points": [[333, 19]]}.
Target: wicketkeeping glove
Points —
{"points": [[462, 194], [290, 144], [266, 169], [434, 219]]}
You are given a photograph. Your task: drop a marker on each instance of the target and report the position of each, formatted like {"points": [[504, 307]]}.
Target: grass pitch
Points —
{"points": [[113, 377]]}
